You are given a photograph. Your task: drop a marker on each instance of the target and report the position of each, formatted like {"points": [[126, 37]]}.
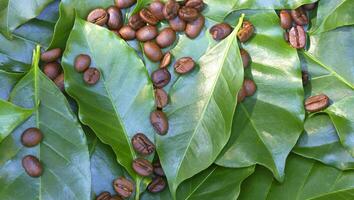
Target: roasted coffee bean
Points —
{"points": [[299, 16], [115, 18], [220, 31], [184, 65], [241, 94], [148, 17], [153, 51], [123, 187], [142, 144], [245, 58], [161, 98], [51, 70], [166, 60], [197, 4], [142, 167], [146, 33], [51, 55], [317, 103], [32, 166], [159, 121], [286, 36], [310, 6], [156, 8], [177, 24], [92, 76], [250, 87], [82, 62], [59, 82], [98, 16], [127, 33], [170, 11], [285, 19], [246, 32], [125, 3], [166, 37], [116, 197], [305, 77], [188, 14], [158, 169], [135, 22], [158, 184], [297, 37], [31, 137], [161, 78], [194, 28], [104, 196]]}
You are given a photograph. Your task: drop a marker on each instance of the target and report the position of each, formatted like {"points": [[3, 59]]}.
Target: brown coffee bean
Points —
{"points": [[98, 16], [52, 70], [170, 10], [146, 33], [310, 6], [152, 51], [166, 37], [127, 33], [166, 60], [135, 22], [161, 98], [92, 76], [285, 19], [197, 4], [184, 65], [148, 17], [31, 137], [82, 62], [286, 36], [156, 8], [51, 55], [246, 32], [142, 144], [158, 169], [194, 28], [158, 184], [249, 87], [123, 187], [241, 94], [317, 103], [299, 16], [297, 37], [32, 166], [125, 3], [188, 14], [161, 78], [305, 77], [246, 59], [177, 24], [159, 121], [59, 82], [116, 197], [142, 167], [220, 31], [115, 18], [104, 196]]}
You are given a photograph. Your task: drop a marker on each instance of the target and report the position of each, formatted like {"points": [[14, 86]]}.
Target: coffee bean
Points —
{"points": [[32, 166], [91, 76], [159, 121], [115, 18], [197, 4], [297, 37], [135, 22], [285, 19], [177, 24], [245, 58], [305, 77], [148, 17], [158, 169], [317, 103], [98, 16], [146, 33], [241, 94], [246, 32], [286, 36], [52, 70], [158, 184], [104, 196], [161, 98], [299, 16], [220, 31], [184, 65], [166, 60], [170, 10], [31, 137], [156, 8], [127, 33], [194, 28], [310, 6], [161, 78], [82, 62], [125, 3], [166, 37], [142, 167], [249, 87], [59, 82], [142, 144], [51, 55], [152, 51], [123, 187], [188, 14]]}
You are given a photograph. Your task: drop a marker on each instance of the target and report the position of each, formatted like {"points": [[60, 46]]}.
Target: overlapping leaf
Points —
{"points": [[7, 82]]}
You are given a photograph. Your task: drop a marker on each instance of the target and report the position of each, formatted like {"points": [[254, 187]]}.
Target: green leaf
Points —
{"points": [[63, 151], [10, 117], [305, 179], [268, 124], [7, 82], [200, 112]]}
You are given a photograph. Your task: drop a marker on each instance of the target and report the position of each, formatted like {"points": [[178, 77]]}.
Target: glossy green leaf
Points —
{"points": [[7, 82], [305, 179], [63, 151], [268, 124]]}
